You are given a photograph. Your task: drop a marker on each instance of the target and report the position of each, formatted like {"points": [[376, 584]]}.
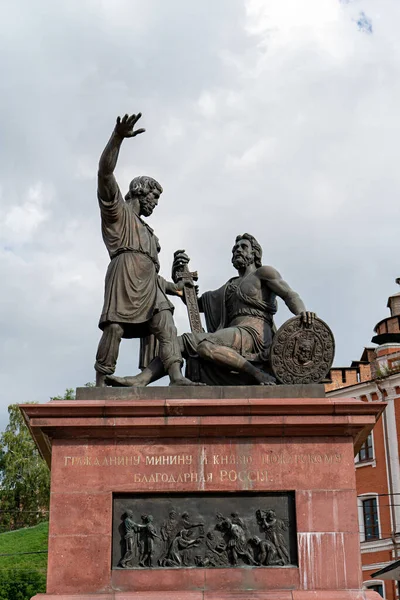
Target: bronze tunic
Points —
{"points": [[133, 289]]}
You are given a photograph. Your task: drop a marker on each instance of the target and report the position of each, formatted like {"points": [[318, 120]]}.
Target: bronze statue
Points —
{"points": [[135, 298], [239, 317]]}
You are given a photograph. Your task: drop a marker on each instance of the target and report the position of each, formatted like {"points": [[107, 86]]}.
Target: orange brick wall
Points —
{"points": [[382, 328], [393, 325], [395, 305], [365, 373], [374, 480], [397, 413], [349, 375], [379, 557], [390, 586]]}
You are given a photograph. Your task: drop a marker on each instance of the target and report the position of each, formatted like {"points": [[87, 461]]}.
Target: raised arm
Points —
{"points": [[107, 185], [282, 289]]}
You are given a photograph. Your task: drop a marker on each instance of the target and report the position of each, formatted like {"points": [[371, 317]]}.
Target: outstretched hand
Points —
{"points": [[125, 127]]}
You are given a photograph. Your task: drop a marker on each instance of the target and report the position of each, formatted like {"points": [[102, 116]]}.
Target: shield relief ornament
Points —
{"points": [[302, 354]]}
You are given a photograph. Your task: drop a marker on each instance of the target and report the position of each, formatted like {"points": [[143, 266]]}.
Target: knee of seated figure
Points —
{"points": [[205, 349], [115, 329]]}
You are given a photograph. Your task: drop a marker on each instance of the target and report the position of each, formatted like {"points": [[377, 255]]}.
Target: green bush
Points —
{"points": [[21, 584]]}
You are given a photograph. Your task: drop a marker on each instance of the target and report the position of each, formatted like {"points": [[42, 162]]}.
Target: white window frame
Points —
{"points": [[371, 582], [371, 462], [360, 500]]}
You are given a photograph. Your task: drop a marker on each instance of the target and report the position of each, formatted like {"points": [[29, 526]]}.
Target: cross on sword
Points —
{"points": [[190, 295]]}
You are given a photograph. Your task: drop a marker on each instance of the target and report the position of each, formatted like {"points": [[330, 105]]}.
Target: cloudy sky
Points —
{"points": [[276, 117]]}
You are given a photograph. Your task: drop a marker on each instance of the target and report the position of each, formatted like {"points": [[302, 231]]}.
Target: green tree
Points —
{"points": [[69, 394], [24, 476], [21, 584]]}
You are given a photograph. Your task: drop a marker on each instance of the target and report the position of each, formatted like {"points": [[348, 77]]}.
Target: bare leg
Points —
{"points": [[228, 357], [107, 352], [153, 372], [163, 327]]}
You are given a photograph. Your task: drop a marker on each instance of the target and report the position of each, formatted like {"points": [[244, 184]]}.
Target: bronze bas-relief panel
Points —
{"points": [[204, 530]]}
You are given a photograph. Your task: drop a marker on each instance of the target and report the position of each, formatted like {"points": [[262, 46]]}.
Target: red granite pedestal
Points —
{"points": [[115, 444]]}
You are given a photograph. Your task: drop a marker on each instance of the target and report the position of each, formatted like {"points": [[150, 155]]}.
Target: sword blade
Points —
{"points": [[193, 309]]}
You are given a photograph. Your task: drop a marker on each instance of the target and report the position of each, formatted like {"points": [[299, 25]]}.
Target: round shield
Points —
{"points": [[301, 353]]}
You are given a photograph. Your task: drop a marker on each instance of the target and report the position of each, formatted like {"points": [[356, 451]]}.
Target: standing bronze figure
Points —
{"points": [[135, 297]]}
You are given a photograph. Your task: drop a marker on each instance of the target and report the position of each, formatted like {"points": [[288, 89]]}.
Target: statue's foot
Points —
{"points": [[135, 381], [265, 379], [114, 381], [182, 381]]}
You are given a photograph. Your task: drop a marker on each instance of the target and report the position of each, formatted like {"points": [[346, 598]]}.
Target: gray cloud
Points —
{"points": [[261, 116]]}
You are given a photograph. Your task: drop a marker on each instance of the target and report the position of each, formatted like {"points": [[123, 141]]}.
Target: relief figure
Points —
{"points": [[274, 528]]}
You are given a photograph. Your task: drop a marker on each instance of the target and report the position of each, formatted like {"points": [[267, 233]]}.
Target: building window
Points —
{"points": [[370, 516], [376, 587], [366, 450]]}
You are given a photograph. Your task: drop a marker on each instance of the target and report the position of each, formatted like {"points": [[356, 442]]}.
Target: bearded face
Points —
{"points": [[242, 254], [305, 350], [148, 203], [241, 262]]}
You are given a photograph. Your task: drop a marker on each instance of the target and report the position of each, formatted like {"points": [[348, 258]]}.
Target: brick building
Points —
{"points": [[376, 378]]}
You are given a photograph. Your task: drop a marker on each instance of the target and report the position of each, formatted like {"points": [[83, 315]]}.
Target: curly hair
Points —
{"points": [[142, 185], [257, 250]]}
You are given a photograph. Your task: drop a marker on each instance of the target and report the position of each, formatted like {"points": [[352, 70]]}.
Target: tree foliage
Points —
{"points": [[69, 394], [21, 584], [24, 476]]}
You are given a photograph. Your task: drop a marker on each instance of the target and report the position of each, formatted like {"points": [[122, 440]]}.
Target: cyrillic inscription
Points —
{"points": [[187, 460], [191, 477], [243, 476], [312, 459]]}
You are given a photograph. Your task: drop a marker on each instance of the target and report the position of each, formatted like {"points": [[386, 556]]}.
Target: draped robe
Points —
{"points": [[133, 289]]}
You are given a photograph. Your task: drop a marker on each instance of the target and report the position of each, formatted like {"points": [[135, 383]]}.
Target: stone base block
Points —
{"points": [[250, 595], [106, 452]]}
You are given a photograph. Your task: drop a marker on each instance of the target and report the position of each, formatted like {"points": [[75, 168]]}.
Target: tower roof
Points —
{"points": [[388, 329]]}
